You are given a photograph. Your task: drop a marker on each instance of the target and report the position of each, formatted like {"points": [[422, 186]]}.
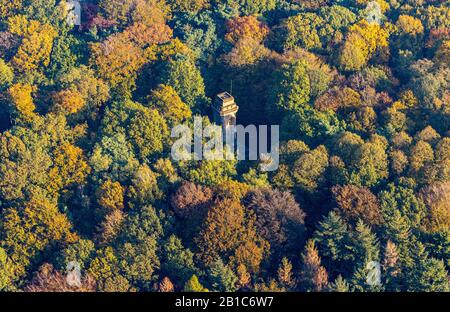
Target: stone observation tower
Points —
{"points": [[225, 109]]}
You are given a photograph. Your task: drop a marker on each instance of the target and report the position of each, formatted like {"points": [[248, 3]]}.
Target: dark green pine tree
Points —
{"points": [[222, 277], [367, 268], [333, 242], [177, 261], [438, 245], [425, 274], [398, 231]]}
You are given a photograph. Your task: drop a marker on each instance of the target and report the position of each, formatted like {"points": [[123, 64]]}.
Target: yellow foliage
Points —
{"points": [[407, 101], [110, 195], [30, 229], [246, 52], [69, 167], [21, 26], [22, 99], [37, 43], [232, 189], [362, 41], [246, 27], [192, 6], [373, 34], [117, 60], [410, 25], [7, 7], [169, 104], [119, 57], [175, 46]]}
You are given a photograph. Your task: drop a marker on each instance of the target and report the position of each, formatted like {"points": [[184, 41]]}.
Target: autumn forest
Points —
{"points": [[90, 91]]}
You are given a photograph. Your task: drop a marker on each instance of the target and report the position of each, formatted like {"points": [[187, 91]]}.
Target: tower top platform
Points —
{"points": [[225, 104]]}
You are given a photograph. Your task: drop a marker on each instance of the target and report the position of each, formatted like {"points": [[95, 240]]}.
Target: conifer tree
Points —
{"points": [[285, 276], [339, 285], [222, 277], [193, 285], [314, 277], [391, 266], [165, 285], [333, 241], [365, 245], [366, 259], [425, 274]]}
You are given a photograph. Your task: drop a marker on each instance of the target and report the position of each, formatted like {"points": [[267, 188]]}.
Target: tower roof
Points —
{"points": [[225, 97], [225, 104]]}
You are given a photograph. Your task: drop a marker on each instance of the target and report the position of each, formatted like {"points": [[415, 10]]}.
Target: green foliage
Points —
{"points": [[148, 132], [304, 30], [193, 285], [6, 75], [426, 274], [6, 271], [339, 285], [177, 261], [292, 88], [222, 277], [186, 79], [199, 32], [138, 262], [402, 198], [309, 124], [308, 170], [86, 174], [211, 172], [333, 240], [365, 163], [81, 252]]}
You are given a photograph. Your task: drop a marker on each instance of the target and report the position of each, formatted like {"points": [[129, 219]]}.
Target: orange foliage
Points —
{"points": [[142, 35], [119, 57], [246, 27], [69, 101]]}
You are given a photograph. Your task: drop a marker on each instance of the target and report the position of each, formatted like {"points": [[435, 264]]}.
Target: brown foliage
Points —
{"points": [[190, 199], [165, 285], [68, 101], [8, 43], [357, 203], [391, 259], [110, 227], [50, 280], [335, 99], [247, 51], [143, 35], [229, 233], [314, 276], [279, 218]]}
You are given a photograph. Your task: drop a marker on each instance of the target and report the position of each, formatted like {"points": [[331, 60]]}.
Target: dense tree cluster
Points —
{"points": [[361, 91]]}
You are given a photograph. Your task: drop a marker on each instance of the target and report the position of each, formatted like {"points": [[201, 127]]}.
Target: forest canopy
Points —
{"points": [[360, 90]]}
